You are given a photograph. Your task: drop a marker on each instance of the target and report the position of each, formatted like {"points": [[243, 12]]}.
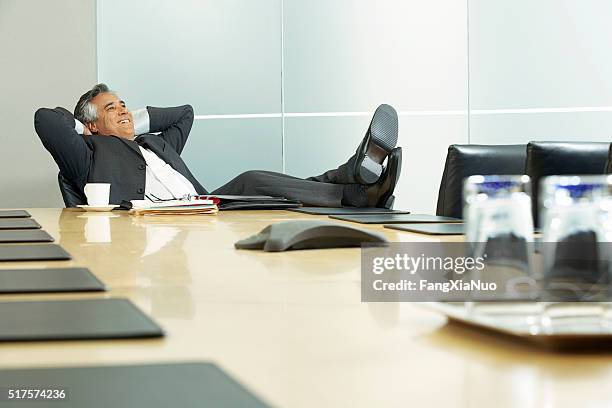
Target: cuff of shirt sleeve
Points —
{"points": [[79, 127], [142, 123]]}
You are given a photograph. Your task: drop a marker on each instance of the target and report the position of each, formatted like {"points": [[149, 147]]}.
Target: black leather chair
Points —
{"points": [[70, 193], [463, 161], [608, 169], [562, 158]]}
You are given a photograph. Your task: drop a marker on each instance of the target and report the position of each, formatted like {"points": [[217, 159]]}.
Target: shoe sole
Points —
{"points": [[383, 128], [382, 132]]}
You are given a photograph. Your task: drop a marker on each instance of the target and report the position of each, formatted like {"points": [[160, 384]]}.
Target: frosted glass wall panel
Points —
{"points": [[315, 145], [540, 54], [351, 55], [47, 58], [221, 56], [525, 127], [318, 144], [219, 150]]}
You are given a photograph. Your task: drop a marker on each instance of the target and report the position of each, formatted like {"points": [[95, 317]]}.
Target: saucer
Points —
{"points": [[98, 208]]}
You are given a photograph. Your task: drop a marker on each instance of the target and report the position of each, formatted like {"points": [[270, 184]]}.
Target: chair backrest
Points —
{"points": [[562, 158], [609, 162], [463, 161], [70, 193]]}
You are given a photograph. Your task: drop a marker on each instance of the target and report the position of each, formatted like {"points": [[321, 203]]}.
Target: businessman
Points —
{"points": [[139, 154]]}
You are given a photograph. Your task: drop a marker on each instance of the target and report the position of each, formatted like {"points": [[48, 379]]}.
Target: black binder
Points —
{"points": [[74, 320], [49, 280], [14, 214], [180, 385], [346, 210], [33, 252], [16, 236], [18, 223], [430, 229], [396, 218], [233, 202]]}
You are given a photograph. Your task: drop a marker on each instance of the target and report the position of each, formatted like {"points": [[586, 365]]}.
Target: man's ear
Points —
{"points": [[92, 128]]}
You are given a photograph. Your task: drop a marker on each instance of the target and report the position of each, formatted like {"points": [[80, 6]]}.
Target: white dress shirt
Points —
{"points": [[162, 181]]}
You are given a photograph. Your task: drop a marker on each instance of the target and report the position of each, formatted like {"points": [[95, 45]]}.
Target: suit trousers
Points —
{"points": [[325, 190]]}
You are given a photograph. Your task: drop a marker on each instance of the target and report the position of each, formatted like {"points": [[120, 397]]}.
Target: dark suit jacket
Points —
{"points": [[110, 159]]}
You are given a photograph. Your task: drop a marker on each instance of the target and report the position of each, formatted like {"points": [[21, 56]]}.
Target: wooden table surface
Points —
{"points": [[290, 326]]}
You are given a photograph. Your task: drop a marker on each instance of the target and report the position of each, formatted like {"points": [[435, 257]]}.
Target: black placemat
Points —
{"points": [[248, 205], [395, 218], [346, 210], [49, 280], [429, 229], [14, 214], [33, 252], [74, 320], [18, 223], [15, 236], [184, 385]]}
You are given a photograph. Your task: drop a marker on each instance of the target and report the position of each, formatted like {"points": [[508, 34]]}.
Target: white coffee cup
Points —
{"points": [[97, 194]]}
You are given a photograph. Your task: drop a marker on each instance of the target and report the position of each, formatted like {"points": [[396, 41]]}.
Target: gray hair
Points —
{"points": [[85, 111]]}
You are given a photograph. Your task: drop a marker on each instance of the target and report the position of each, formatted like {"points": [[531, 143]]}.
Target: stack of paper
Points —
{"points": [[192, 206]]}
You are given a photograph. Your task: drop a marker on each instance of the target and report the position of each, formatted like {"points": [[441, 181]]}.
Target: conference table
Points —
{"points": [[290, 326]]}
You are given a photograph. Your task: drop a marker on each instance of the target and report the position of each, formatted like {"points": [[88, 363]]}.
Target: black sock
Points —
{"points": [[354, 195]]}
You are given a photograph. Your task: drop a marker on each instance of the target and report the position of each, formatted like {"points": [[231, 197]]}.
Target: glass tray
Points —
{"points": [[560, 325]]}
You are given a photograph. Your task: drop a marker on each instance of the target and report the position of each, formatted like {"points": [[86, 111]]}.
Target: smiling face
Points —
{"points": [[114, 119]]}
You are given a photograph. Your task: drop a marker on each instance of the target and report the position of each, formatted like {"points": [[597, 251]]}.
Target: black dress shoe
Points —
{"points": [[381, 194], [378, 141]]}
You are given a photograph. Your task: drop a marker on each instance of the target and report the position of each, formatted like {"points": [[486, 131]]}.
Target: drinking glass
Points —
{"points": [[499, 228], [577, 229]]}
